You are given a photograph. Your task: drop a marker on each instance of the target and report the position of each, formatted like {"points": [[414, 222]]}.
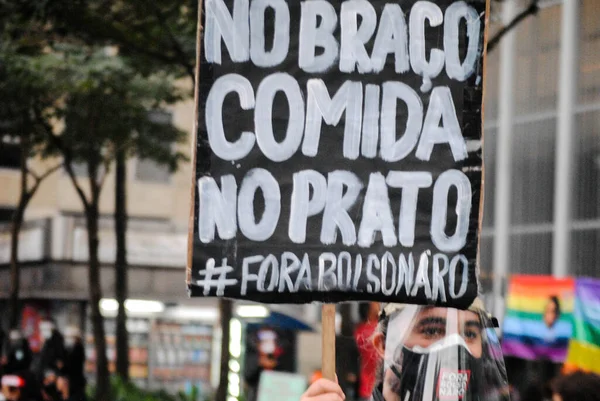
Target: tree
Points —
{"points": [[163, 155], [106, 106], [26, 95], [156, 33], [226, 312], [158, 36]]}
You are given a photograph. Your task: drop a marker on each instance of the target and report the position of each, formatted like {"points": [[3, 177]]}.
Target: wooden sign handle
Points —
{"points": [[328, 333]]}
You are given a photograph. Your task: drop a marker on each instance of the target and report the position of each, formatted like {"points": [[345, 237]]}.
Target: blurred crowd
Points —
{"points": [[54, 374]]}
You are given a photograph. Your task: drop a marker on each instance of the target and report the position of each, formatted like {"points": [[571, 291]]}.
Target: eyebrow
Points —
{"points": [[473, 324], [442, 321], [432, 320]]}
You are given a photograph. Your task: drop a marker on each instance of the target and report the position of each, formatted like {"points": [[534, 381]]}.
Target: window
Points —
{"points": [[148, 170], [10, 152]]}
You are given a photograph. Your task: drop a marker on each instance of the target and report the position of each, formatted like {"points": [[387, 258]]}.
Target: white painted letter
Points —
{"points": [[374, 284], [302, 206], [393, 150], [313, 36], [439, 214], [376, 214], [234, 31], [246, 275], [465, 276], [354, 38], [263, 116], [438, 276], [441, 111], [392, 37], [336, 209], [254, 179], [216, 207], [214, 116], [454, 14], [422, 279], [322, 285], [281, 35], [420, 12], [370, 129], [320, 106], [385, 260], [410, 182]]}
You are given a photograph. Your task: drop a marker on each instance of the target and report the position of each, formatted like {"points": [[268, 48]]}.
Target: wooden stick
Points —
{"points": [[328, 333], [194, 142]]}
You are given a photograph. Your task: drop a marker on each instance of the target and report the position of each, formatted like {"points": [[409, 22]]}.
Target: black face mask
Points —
{"points": [[51, 391], [448, 374]]}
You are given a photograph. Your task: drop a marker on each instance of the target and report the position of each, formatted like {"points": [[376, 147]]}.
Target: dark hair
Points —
{"points": [[364, 308], [578, 386], [554, 299], [382, 327]]}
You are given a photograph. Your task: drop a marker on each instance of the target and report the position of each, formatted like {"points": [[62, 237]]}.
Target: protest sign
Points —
{"points": [[339, 151], [281, 386]]}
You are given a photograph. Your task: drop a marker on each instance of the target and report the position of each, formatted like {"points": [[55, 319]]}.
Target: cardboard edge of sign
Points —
{"points": [[486, 34], [332, 297], [193, 148]]}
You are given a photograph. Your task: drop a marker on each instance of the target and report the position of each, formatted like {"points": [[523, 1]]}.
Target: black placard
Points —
{"points": [[339, 151]]}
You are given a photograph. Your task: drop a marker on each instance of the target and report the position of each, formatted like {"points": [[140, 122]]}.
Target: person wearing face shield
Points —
{"points": [[18, 356], [429, 353]]}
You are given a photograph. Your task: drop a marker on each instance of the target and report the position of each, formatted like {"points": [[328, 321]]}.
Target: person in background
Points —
{"points": [[52, 356], [74, 362], [429, 353], [368, 354], [578, 386], [552, 311], [18, 357], [20, 386], [49, 387], [63, 386]]}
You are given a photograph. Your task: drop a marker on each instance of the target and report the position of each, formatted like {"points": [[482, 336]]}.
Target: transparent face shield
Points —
{"points": [[442, 354]]}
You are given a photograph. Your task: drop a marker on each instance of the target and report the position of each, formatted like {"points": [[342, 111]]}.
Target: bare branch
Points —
{"points": [[50, 171], [68, 164], [39, 178], [531, 10]]}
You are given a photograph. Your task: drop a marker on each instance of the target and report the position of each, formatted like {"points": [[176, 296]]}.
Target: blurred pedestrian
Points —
{"points": [[49, 386], [63, 387], [52, 356], [21, 386], [75, 362], [18, 356], [578, 386]]}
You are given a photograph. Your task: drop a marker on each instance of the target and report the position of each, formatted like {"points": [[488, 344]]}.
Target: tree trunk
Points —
{"points": [[102, 375], [15, 274], [121, 265], [225, 309], [17, 223]]}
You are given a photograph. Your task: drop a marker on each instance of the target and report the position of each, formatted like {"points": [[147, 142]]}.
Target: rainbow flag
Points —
{"points": [[584, 348], [538, 320]]}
